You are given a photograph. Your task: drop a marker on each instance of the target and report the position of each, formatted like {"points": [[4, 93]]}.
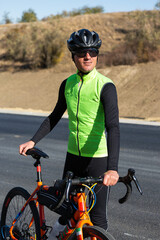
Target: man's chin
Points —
{"points": [[87, 69]]}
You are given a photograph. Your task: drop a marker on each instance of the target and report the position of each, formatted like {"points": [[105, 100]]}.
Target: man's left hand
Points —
{"points": [[110, 178]]}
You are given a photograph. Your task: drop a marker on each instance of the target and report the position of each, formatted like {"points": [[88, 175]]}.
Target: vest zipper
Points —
{"points": [[80, 86]]}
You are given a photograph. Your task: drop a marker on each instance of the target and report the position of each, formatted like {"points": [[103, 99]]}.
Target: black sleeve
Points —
{"points": [[50, 122], [109, 101]]}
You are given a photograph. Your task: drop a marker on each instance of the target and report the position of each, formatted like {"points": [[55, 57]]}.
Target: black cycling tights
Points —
{"points": [[95, 167]]}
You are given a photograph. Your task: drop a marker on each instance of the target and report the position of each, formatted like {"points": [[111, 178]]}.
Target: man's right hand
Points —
{"points": [[25, 146]]}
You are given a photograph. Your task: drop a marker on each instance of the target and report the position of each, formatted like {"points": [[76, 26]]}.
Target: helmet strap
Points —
{"points": [[73, 57]]}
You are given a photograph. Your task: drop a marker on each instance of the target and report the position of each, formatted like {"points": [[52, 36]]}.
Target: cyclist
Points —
{"points": [[91, 101]]}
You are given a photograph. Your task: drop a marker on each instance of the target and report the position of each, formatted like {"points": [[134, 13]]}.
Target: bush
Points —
{"points": [[144, 40], [131, 53], [48, 50], [29, 16], [119, 56], [32, 46], [75, 12], [6, 18], [141, 44], [157, 6], [16, 43]]}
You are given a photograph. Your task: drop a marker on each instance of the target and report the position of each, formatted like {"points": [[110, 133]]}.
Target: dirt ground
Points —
{"points": [[138, 86], [138, 89]]}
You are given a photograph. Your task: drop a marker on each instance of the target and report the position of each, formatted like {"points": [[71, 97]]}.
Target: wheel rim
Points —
{"points": [[24, 228]]}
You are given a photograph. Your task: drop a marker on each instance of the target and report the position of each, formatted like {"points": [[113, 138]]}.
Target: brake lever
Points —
{"points": [[133, 177], [135, 180]]}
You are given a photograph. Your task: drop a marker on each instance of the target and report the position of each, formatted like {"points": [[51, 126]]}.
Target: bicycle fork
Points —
{"points": [[82, 216]]}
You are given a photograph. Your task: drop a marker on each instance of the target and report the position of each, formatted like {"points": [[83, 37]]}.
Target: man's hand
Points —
{"points": [[25, 146], [110, 178]]}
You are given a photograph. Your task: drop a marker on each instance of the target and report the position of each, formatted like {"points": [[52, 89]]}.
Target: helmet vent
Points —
{"points": [[83, 39]]}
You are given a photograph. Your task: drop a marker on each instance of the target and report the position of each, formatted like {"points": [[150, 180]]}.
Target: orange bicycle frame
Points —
{"points": [[81, 216], [32, 198]]}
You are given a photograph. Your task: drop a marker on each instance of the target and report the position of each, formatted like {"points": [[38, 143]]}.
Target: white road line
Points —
{"points": [[140, 122], [135, 236]]}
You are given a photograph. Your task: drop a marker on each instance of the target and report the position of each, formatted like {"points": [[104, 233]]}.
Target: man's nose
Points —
{"points": [[87, 55]]}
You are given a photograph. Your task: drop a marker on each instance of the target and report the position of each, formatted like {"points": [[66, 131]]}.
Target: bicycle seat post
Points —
{"points": [[37, 164], [37, 154]]}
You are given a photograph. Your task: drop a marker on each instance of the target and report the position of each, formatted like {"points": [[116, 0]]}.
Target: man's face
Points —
{"points": [[85, 60]]}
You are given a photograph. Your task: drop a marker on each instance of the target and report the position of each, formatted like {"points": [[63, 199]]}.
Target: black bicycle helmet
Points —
{"points": [[83, 39]]}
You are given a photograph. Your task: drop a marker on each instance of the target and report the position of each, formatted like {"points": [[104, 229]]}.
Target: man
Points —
{"points": [[91, 101]]}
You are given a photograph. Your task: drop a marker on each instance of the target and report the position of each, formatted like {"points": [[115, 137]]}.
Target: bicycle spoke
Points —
{"points": [[26, 224]]}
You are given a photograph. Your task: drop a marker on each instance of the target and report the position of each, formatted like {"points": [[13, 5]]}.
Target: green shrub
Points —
{"points": [[157, 5], [16, 43], [29, 16], [146, 38], [48, 49], [34, 46], [6, 18], [141, 44], [75, 12]]}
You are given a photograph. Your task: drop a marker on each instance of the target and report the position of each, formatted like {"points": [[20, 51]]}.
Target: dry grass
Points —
{"points": [[105, 24], [138, 86]]}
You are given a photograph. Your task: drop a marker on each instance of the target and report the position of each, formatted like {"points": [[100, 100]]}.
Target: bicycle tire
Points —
{"points": [[12, 205], [93, 231]]}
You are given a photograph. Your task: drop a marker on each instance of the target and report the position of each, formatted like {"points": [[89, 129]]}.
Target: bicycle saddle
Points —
{"points": [[36, 153]]}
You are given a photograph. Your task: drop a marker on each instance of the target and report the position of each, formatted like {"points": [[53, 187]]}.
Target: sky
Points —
{"points": [[44, 8]]}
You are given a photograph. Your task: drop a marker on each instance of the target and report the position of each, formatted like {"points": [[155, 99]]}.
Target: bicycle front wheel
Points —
{"points": [[90, 232], [28, 225], [94, 231]]}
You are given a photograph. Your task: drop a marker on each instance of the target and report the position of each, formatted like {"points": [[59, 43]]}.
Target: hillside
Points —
{"points": [[138, 86], [138, 89], [112, 28]]}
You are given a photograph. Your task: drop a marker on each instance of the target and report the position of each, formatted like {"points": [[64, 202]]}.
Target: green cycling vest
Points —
{"points": [[86, 114]]}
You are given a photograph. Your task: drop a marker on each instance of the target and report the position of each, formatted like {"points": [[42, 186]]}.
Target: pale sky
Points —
{"points": [[44, 8]]}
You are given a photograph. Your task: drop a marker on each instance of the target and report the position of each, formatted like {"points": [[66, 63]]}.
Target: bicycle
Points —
{"points": [[23, 216]]}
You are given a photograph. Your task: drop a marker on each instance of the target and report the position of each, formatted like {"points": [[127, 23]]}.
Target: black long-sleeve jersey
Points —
{"points": [[109, 101]]}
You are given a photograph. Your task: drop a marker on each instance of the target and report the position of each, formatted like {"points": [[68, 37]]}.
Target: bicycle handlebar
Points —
{"points": [[69, 181], [126, 180]]}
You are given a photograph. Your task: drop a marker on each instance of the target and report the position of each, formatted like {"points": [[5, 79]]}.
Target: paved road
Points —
{"points": [[139, 218]]}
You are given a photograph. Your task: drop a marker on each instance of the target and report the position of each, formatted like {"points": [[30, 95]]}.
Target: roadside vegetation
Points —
{"points": [[40, 44], [31, 16], [141, 44], [33, 46], [81, 11]]}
